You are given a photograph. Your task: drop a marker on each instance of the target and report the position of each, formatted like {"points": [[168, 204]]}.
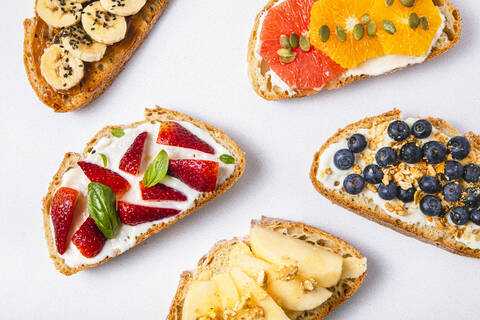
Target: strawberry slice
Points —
{"points": [[61, 210], [133, 214], [173, 134], [95, 173], [161, 192], [130, 161], [89, 239], [200, 175]]}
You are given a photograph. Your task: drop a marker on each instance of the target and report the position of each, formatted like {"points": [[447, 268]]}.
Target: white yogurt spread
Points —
{"points": [[334, 181], [114, 148]]}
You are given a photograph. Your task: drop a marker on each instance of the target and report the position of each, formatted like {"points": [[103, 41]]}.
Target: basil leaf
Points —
{"points": [[117, 132], [104, 159], [157, 170], [102, 205], [226, 158]]}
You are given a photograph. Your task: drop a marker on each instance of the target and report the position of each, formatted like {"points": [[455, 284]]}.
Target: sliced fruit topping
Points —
{"points": [[61, 210], [161, 192], [349, 41], [299, 66], [59, 13], [95, 173], [407, 28], [123, 7], [130, 161], [79, 43], [103, 26], [174, 134], [133, 214], [200, 175], [89, 239], [60, 68]]}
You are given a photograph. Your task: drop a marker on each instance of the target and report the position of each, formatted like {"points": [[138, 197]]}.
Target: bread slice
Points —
{"points": [[216, 261], [264, 87], [151, 115], [98, 75], [363, 205]]}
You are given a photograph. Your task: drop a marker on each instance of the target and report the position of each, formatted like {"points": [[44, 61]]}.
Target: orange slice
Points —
{"points": [[345, 14]]}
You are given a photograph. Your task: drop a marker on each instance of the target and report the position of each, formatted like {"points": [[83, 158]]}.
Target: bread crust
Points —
{"points": [[264, 88], [373, 212], [151, 115], [279, 225], [98, 75]]}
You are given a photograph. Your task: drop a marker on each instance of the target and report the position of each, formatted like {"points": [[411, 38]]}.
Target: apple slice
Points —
{"points": [[200, 300], [228, 292], [313, 262]]}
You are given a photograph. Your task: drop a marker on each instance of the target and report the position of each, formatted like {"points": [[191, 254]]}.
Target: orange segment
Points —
{"points": [[406, 41], [346, 14]]}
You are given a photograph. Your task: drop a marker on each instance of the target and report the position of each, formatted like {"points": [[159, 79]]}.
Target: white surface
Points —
{"points": [[194, 61]]}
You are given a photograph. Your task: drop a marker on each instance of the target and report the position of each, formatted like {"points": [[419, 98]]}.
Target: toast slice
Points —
{"points": [[151, 116], [98, 75], [264, 87], [440, 233], [216, 261]]}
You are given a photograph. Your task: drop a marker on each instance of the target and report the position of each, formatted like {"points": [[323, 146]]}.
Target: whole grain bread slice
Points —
{"points": [[151, 115], [98, 75], [366, 208], [216, 261], [264, 87]]}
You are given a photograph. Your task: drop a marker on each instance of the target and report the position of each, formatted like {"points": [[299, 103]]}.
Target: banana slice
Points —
{"points": [[123, 7], [60, 68], [59, 13], [79, 43], [103, 26]]}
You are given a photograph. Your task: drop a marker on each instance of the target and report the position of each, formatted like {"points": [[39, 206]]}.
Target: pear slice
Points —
{"points": [[313, 262], [249, 288], [290, 295], [202, 299], [228, 292]]}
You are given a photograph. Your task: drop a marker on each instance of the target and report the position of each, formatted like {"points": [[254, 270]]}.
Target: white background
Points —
{"points": [[194, 61]]}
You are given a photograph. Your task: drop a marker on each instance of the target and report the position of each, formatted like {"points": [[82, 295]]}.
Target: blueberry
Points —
{"points": [[475, 216], [398, 130], [387, 192], [434, 152], [354, 183], [343, 159], [386, 156], [430, 184], [411, 153], [373, 174], [459, 215], [357, 143], [459, 147], [406, 195], [431, 206], [472, 197], [453, 170], [471, 172], [452, 192], [421, 129]]}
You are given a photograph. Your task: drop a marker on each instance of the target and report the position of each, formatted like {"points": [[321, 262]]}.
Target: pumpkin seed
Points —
{"points": [[365, 18], [358, 31], [388, 3], [304, 43], [341, 34], [424, 23], [293, 40], [324, 33], [371, 29], [413, 20], [407, 3], [288, 59], [389, 27], [284, 42], [285, 52]]}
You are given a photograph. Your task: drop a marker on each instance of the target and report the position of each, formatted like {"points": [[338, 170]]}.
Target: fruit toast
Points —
{"points": [[73, 50], [133, 181], [299, 47], [418, 176], [283, 270]]}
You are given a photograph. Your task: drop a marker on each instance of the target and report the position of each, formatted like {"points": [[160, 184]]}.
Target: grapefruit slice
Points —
{"points": [[310, 69]]}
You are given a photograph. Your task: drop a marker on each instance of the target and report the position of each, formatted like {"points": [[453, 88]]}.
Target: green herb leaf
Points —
{"points": [[117, 132], [101, 204], [104, 159], [226, 158], [157, 170]]}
